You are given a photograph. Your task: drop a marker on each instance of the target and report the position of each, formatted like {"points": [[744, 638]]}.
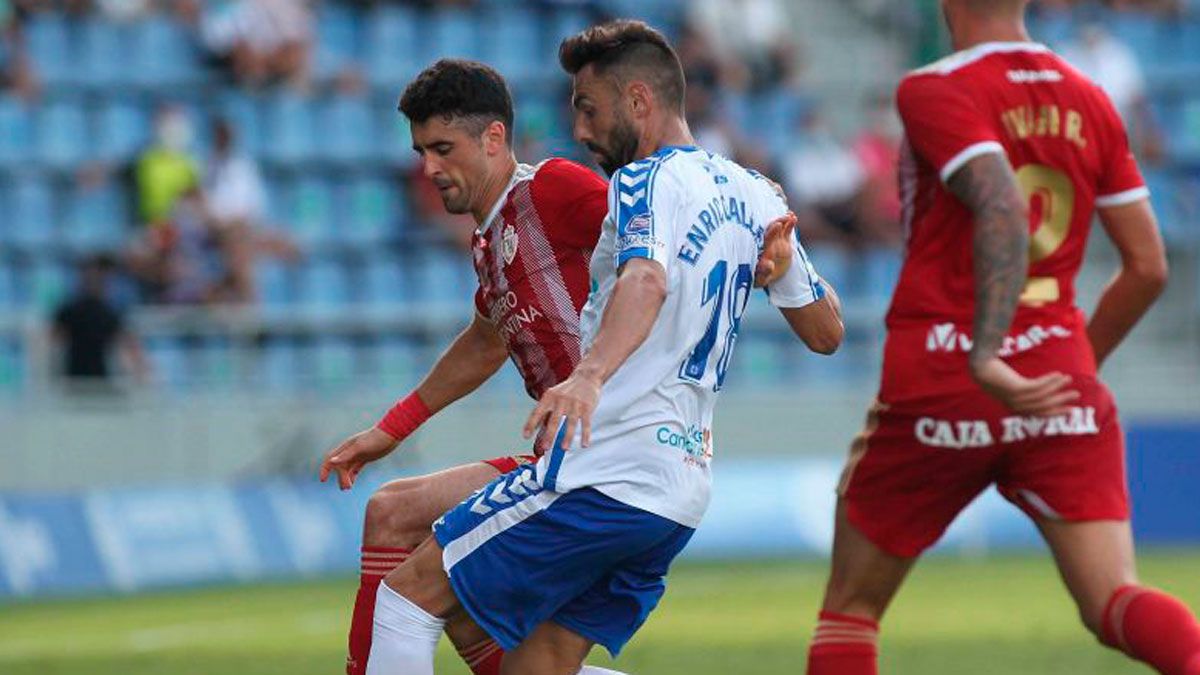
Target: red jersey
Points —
{"points": [[1068, 148], [531, 256]]}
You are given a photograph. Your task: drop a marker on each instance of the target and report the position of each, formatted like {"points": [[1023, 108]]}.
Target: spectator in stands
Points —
{"points": [[16, 72], [166, 170], [262, 41], [877, 149], [1114, 66], [88, 328], [825, 184], [753, 39], [235, 200]]}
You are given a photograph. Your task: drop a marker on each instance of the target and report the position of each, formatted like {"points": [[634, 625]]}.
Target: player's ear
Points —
{"points": [[640, 98], [495, 138]]}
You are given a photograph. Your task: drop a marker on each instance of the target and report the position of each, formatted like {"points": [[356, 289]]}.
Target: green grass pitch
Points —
{"points": [[988, 616]]}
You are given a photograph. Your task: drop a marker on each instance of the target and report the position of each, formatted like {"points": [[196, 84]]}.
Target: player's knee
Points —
{"points": [[392, 515], [845, 595]]}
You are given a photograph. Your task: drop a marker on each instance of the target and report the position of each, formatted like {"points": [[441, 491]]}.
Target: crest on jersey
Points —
{"points": [[508, 244], [638, 225]]}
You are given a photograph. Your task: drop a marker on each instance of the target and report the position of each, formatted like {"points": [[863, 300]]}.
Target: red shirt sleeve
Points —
{"points": [[572, 202], [1121, 181], [480, 305], [943, 124]]}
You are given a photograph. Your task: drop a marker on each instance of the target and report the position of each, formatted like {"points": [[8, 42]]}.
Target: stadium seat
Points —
{"points": [[242, 113], [397, 362], [12, 367], [453, 33], [393, 138], [62, 134], [518, 50], [445, 276], [337, 40], [346, 129], [334, 361], [31, 204], [324, 284], [834, 264], [16, 131], [8, 291], [169, 361], [309, 214], [384, 283], [564, 22], [97, 218], [104, 53], [274, 281], [278, 365], [367, 211], [290, 128], [163, 54], [123, 130], [880, 274], [392, 49], [49, 38], [47, 283]]}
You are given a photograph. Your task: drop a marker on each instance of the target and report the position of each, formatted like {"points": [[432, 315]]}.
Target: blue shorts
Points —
{"points": [[519, 555]]}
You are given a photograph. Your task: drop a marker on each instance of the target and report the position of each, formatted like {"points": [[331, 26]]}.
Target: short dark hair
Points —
{"points": [[456, 88], [623, 46]]}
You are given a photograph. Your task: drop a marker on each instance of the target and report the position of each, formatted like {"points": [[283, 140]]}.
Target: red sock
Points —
{"points": [[843, 645], [483, 658], [1153, 628], [377, 562]]}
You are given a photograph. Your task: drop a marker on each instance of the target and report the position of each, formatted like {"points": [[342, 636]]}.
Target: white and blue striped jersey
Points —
{"points": [[702, 217]]}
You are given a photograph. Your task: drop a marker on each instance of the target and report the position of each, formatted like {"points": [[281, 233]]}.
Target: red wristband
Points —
{"points": [[404, 417]]}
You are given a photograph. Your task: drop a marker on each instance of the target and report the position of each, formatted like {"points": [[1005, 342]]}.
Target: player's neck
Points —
{"points": [[672, 131], [983, 32], [493, 189]]}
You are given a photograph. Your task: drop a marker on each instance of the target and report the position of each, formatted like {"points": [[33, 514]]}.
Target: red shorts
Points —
{"points": [[919, 463], [506, 464]]}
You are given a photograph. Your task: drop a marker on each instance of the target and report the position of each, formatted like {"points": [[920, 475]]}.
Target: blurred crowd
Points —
{"points": [[203, 221]]}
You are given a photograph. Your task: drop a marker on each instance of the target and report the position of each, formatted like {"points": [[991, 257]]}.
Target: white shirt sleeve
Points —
{"points": [[644, 200], [799, 286]]}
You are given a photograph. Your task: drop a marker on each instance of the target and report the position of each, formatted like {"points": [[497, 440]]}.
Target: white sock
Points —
{"points": [[405, 636], [593, 670]]}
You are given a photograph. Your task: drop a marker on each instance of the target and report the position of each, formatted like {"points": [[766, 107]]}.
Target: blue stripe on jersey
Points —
{"points": [[628, 254], [556, 457], [813, 283]]}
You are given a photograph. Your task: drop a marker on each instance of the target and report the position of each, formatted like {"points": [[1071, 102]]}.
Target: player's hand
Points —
{"points": [[574, 400], [1042, 396], [778, 250], [349, 458]]}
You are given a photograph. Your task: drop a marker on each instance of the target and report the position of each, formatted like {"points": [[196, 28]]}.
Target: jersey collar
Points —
{"points": [[968, 56], [519, 173]]}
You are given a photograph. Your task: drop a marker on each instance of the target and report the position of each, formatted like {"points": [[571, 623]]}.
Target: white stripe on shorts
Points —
{"points": [[465, 545]]}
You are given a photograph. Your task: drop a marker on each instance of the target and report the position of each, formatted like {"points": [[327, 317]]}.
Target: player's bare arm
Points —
{"points": [[474, 356], [636, 301], [818, 325], [987, 186], [1142, 276]]}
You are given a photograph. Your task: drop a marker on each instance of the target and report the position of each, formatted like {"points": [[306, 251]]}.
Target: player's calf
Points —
{"points": [[1154, 628]]}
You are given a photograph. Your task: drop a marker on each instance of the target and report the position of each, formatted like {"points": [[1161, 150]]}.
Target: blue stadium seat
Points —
{"points": [[565, 22], [384, 282], [517, 50], [16, 131], [397, 362], [346, 129], [274, 281], [309, 214], [367, 211], [324, 284], [123, 130], [833, 264], [290, 128], [454, 33], [97, 218], [334, 361], [337, 40], [393, 142], [163, 53], [882, 271], [62, 134], [242, 113], [279, 366], [31, 220], [104, 53], [48, 36], [47, 283], [392, 50], [12, 367], [215, 363], [8, 290], [169, 360], [446, 276]]}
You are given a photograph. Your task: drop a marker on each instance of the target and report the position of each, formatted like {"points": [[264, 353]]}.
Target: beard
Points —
{"points": [[621, 150]]}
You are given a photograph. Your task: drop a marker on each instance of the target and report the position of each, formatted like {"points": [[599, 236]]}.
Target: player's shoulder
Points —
{"points": [[559, 172]]}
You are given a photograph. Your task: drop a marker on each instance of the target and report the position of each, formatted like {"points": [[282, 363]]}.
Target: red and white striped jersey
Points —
{"points": [[531, 256]]}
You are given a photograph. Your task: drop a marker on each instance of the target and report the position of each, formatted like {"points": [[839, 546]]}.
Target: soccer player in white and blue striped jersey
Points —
{"points": [[554, 558]]}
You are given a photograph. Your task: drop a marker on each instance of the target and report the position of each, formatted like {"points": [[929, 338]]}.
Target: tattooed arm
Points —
{"points": [[987, 187]]}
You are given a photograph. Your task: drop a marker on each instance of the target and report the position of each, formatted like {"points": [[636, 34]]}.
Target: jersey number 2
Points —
{"points": [[1051, 196], [740, 284]]}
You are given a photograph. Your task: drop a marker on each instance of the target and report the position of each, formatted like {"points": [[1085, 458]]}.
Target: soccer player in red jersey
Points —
{"points": [[990, 370]]}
